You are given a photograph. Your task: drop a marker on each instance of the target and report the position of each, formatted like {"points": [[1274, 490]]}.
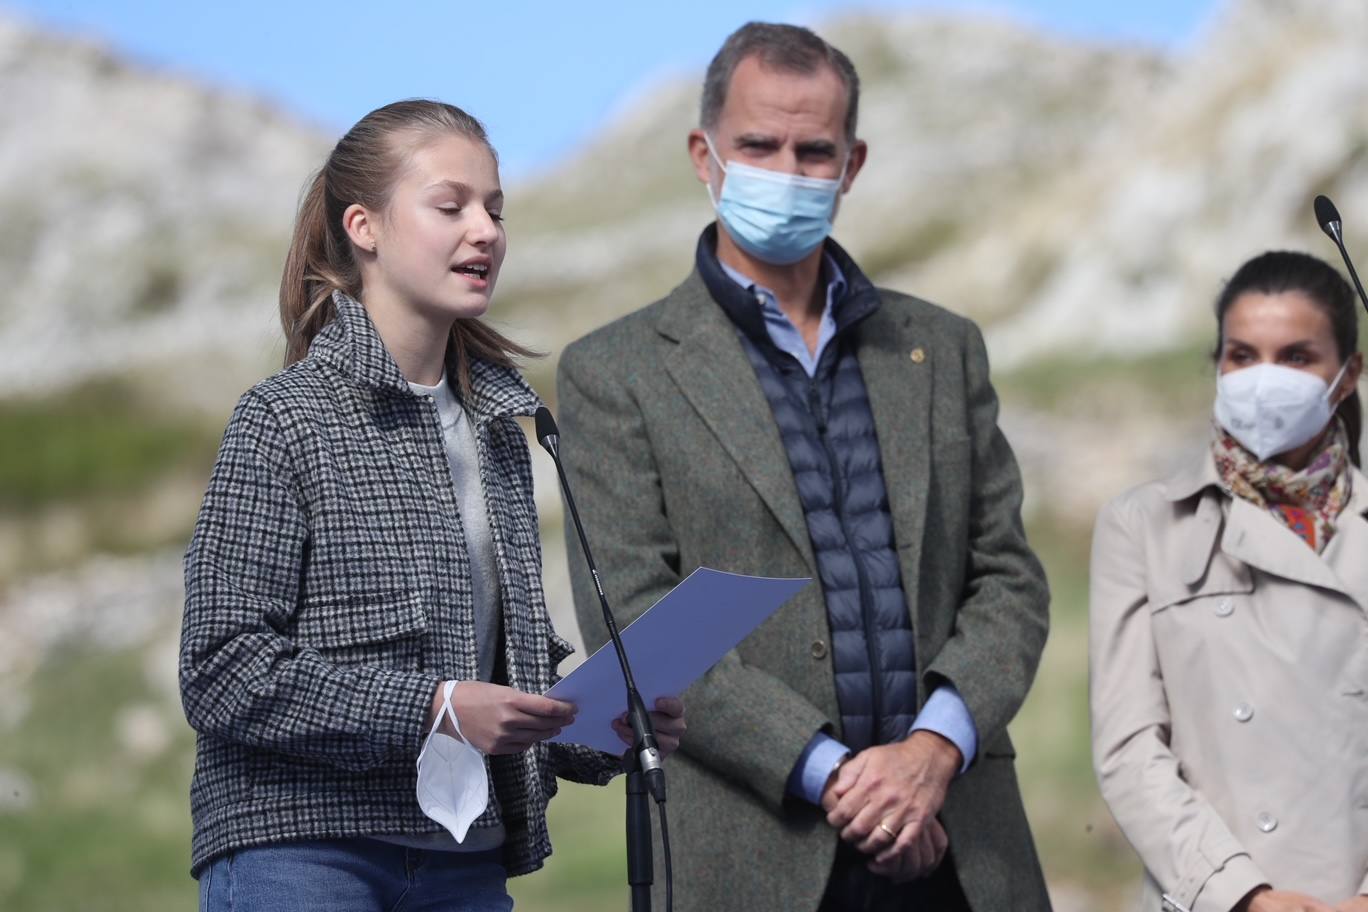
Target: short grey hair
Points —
{"points": [[783, 47]]}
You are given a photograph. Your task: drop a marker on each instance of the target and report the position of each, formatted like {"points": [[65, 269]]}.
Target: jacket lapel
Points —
{"points": [[1254, 536], [1345, 552], [898, 384], [712, 371], [1249, 534]]}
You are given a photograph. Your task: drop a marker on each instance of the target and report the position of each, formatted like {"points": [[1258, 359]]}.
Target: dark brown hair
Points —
{"points": [[782, 47], [1278, 271], [362, 168]]}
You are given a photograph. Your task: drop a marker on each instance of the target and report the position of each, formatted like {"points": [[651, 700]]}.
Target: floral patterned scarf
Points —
{"points": [[1308, 501]]}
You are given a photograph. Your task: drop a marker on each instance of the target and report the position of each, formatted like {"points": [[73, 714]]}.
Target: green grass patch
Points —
{"points": [[96, 440], [108, 829], [587, 870], [1077, 840], [1181, 380], [105, 828]]}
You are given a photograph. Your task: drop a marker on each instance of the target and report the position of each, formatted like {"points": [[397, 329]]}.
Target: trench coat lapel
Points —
{"points": [[1254, 536], [711, 370], [898, 383], [1347, 552]]}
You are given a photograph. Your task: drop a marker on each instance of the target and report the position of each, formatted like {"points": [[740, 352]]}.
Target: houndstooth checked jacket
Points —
{"points": [[328, 592]]}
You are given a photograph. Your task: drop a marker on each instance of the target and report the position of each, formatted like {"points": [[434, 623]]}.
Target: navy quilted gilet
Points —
{"points": [[833, 450]]}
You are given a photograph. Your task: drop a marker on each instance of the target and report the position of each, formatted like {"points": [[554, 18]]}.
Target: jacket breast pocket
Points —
{"points": [[386, 630]]}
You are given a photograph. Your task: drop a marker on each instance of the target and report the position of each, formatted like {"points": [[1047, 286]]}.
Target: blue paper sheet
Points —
{"points": [[669, 646]]}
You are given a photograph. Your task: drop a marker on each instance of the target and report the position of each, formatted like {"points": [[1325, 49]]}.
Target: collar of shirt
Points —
{"points": [[780, 328]]}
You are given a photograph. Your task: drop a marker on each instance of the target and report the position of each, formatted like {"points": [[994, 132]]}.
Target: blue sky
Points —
{"points": [[542, 75]]}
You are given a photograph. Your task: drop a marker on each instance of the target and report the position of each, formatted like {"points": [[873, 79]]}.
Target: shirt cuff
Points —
{"points": [[814, 766], [946, 715]]}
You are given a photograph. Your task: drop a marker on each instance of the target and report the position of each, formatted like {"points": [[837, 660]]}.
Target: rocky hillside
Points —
{"points": [[1081, 200], [146, 214], [961, 114]]}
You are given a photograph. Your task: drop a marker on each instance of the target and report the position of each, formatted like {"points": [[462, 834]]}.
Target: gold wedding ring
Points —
{"points": [[883, 826]]}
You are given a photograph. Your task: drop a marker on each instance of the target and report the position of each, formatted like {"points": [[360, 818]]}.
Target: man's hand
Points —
{"points": [[501, 720], [1353, 904], [901, 786], [668, 721], [913, 858]]}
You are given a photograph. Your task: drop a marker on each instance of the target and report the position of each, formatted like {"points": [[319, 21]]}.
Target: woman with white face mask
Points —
{"points": [[1229, 622]]}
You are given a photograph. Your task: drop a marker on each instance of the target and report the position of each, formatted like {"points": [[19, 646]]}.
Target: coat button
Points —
{"points": [[818, 649], [1267, 822], [1244, 712], [1225, 608], [917, 356]]}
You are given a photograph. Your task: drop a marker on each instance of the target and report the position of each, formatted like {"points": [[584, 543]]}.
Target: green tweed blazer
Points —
{"points": [[676, 462]]}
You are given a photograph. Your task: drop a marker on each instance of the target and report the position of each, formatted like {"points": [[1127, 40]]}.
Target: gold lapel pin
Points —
{"points": [[917, 356]]}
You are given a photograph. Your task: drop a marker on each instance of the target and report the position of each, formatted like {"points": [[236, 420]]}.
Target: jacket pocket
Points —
{"points": [[386, 629], [558, 649]]}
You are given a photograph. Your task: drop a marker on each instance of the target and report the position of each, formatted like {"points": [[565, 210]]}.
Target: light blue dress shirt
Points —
{"points": [[944, 712]]}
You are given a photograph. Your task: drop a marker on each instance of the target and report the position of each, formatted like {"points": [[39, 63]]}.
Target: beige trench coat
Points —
{"points": [[1229, 673]]}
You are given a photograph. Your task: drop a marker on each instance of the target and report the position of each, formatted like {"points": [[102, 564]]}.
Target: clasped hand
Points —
{"points": [[884, 801]]}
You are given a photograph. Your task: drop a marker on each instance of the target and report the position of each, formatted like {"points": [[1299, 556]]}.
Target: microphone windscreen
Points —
{"points": [[546, 425], [1326, 213]]}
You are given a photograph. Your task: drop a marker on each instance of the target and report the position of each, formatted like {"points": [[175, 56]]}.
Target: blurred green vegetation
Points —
{"points": [[101, 469], [102, 822], [99, 439], [91, 808], [1078, 842], [1168, 382], [104, 825]]}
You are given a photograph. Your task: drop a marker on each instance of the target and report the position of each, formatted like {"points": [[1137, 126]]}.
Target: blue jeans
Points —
{"points": [[353, 875]]}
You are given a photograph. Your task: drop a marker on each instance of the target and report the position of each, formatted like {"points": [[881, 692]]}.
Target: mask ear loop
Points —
{"points": [[1334, 384], [713, 152], [447, 710]]}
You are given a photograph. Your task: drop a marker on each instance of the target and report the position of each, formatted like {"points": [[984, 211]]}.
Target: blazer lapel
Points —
{"points": [[897, 375], [712, 371]]}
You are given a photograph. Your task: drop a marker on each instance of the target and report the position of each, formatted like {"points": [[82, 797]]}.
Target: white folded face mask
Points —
{"points": [[453, 787], [1271, 409]]}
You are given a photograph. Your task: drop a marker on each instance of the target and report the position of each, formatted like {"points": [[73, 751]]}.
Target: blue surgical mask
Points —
{"points": [[776, 217]]}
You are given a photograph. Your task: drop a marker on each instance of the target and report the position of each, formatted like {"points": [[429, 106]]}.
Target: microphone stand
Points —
{"points": [[645, 776]]}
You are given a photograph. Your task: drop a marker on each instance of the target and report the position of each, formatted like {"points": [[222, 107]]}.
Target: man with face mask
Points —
{"points": [[777, 414]]}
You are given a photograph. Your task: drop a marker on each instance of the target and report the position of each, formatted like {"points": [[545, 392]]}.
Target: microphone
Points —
{"points": [[644, 758], [548, 435], [1329, 218]]}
